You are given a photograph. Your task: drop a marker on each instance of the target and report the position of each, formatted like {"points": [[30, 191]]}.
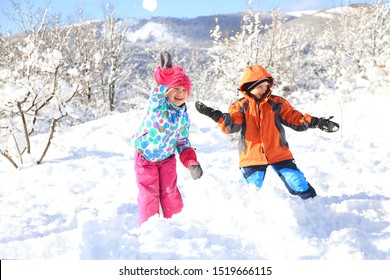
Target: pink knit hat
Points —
{"points": [[180, 79]]}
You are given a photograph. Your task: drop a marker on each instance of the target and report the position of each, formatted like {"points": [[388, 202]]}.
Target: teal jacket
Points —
{"points": [[164, 129]]}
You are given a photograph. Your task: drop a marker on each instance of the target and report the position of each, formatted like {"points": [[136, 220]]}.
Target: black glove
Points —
{"points": [[166, 60], [210, 112], [324, 124], [196, 171]]}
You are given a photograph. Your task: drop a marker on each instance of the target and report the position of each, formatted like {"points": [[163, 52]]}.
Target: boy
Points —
{"points": [[259, 117]]}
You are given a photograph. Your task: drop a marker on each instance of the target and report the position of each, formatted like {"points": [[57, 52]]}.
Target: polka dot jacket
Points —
{"points": [[164, 129]]}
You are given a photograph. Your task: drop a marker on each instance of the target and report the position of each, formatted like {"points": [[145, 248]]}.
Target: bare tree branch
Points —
{"points": [[51, 135], [26, 135], [18, 149], [9, 158]]}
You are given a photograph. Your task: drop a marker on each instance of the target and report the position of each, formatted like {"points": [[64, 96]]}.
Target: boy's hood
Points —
{"points": [[253, 74]]}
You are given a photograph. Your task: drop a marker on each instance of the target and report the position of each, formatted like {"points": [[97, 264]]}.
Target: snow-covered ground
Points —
{"points": [[81, 203]]}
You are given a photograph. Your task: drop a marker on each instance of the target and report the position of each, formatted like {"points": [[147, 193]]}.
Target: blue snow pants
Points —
{"points": [[293, 178]]}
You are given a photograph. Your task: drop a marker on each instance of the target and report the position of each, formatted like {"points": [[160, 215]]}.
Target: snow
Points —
{"points": [[81, 203], [149, 5], [325, 13], [152, 30], [301, 13]]}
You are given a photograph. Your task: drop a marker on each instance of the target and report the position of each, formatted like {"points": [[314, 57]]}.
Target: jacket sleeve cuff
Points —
{"points": [[188, 157]]}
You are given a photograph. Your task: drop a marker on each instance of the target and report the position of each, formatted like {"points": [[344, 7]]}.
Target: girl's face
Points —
{"points": [[259, 90], [177, 95]]}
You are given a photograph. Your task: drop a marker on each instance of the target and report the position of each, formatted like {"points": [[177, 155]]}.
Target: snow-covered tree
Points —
{"points": [[36, 95], [262, 40], [355, 42], [114, 56]]}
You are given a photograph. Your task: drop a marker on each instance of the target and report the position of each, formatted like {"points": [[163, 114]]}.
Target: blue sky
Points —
{"points": [[93, 9]]}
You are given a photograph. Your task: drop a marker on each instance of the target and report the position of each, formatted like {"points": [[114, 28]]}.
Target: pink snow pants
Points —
{"points": [[157, 184]]}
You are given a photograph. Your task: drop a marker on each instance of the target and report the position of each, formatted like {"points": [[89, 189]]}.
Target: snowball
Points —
{"points": [[149, 5]]}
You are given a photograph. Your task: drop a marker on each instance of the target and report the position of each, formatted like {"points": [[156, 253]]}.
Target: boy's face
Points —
{"points": [[177, 95], [259, 90]]}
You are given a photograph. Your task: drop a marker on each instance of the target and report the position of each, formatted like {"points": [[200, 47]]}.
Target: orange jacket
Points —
{"points": [[260, 122]]}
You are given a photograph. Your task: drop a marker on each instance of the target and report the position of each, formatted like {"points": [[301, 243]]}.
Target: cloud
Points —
{"points": [[149, 5]]}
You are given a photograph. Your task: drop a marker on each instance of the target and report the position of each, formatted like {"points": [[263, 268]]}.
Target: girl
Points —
{"points": [[164, 130]]}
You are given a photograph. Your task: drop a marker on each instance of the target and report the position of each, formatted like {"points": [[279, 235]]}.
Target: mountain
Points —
{"points": [[196, 31], [316, 20], [189, 31]]}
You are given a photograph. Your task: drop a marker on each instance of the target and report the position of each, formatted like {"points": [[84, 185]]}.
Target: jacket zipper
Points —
{"points": [[260, 134], [140, 136]]}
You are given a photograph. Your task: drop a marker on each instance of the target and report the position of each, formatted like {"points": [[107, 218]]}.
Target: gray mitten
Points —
{"points": [[196, 171], [166, 60]]}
